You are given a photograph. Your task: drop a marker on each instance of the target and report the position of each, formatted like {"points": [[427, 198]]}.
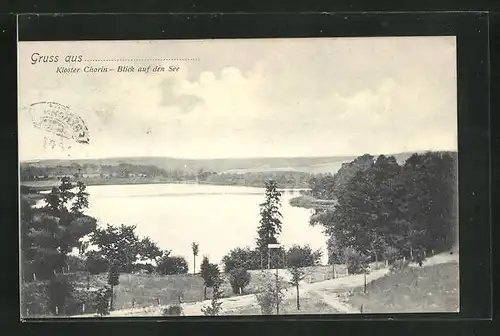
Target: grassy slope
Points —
{"points": [[308, 305], [426, 289]]}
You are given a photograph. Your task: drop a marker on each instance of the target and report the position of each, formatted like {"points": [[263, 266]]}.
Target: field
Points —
{"points": [[143, 290], [418, 289]]}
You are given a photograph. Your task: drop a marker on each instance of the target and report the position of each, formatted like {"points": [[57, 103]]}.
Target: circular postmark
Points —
{"points": [[60, 124]]}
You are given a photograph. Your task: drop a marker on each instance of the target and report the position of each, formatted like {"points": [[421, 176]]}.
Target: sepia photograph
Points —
{"points": [[225, 177]]}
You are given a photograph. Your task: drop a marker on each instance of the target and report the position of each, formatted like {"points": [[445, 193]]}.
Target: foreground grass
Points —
{"points": [[421, 289], [145, 290], [308, 305]]}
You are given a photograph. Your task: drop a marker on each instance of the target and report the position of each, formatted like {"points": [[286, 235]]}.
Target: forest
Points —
{"points": [[388, 211]]}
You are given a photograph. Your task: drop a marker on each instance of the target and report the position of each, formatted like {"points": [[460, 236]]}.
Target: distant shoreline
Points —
{"points": [[308, 202], [35, 187]]}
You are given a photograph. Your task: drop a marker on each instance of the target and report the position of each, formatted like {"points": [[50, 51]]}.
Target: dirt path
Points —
{"points": [[309, 289], [314, 289]]}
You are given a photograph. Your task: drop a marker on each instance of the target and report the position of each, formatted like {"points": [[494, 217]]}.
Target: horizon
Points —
{"points": [[233, 158]]}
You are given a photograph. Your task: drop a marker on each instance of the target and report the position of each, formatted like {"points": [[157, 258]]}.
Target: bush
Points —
{"points": [[76, 264], [239, 278], [95, 263], [357, 262], [173, 311], [215, 305], [302, 256], [34, 299], [144, 268], [399, 265], [59, 291], [245, 258], [101, 303], [172, 265], [271, 296], [391, 254]]}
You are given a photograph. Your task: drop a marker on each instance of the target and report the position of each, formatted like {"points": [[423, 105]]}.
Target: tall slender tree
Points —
{"points": [[270, 220], [196, 248], [113, 280], [297, 276]]}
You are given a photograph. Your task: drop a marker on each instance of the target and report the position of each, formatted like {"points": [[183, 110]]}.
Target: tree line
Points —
{"points": [[58, 239], [388, 211], [102, 173]]}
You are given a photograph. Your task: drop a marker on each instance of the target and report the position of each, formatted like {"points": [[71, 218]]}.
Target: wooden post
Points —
{"points": [[133, 303], [57, 310], [241, 292], [277, 294], [268, 258], [34, 277], [364, 288], [83, 308], [361, 309]]}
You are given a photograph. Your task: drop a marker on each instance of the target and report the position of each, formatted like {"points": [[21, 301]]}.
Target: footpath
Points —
{"points": [[342, 284]]}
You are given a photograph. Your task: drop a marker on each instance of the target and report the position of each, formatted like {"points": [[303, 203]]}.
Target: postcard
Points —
{"points": [[238, 177]]}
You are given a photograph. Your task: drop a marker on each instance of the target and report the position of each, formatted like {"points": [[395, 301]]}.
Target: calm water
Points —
{"points": [[218, 217]]}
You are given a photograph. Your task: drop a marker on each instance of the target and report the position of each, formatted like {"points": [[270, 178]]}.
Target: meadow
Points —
{"points": [[413, 290]]}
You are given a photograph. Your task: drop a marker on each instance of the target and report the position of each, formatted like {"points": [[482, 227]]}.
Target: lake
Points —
{"points": [[219, 218]]}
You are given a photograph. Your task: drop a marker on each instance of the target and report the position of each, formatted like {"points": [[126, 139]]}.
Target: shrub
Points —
{"points": [[59, 290], [76, 264], [302, 256], [34, 300], [399, 265], [271, 296], [215, 305], [356, 261], [172, 265], [79, 298], [95, 263], [143, 268], [391, 254], [102, 298], [241, 258], [173, 311], [239, 278]]}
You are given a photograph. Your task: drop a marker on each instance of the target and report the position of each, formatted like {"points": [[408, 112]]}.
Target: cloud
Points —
{"points": [[322, 97], [185, 102]]}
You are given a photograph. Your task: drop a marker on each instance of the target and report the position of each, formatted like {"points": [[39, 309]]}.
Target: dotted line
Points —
{"points": [[143, 59]]}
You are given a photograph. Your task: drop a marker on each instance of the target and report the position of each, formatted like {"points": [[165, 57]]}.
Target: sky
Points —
{"points": [[247, 97]]}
